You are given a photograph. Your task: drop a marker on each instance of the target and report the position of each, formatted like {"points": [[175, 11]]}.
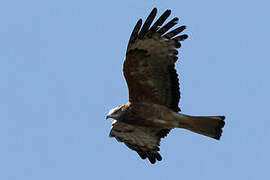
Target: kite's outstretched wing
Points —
{"points": [[144, 140], [149, 64]]}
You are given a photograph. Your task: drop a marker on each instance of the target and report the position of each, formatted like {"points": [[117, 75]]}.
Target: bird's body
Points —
{"points": [[148, 114], [152, 110]]}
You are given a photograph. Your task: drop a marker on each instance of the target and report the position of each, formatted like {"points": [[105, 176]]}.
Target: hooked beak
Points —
{"points": [[108, 116]]}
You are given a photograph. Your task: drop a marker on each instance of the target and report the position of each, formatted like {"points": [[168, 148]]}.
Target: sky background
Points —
{"points": [[61, 72]]}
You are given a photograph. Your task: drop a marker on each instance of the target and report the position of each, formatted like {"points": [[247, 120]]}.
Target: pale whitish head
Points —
{"points": [[115, 113]]}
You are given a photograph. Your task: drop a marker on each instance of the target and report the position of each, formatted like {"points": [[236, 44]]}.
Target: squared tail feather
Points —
{"points": [[210, 126]]}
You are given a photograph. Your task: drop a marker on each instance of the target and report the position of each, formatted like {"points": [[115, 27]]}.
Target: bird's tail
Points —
{"points": [[210, 126]]}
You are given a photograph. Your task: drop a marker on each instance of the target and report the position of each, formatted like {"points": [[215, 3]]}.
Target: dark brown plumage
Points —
{"points": [[152, 109], [165, 87]]}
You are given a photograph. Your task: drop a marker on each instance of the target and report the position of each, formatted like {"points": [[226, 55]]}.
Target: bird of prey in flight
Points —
{"points": [[152, 108]]}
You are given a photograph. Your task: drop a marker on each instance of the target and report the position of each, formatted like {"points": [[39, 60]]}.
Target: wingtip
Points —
{"points": [[176, 19], [154, 157], [184, 37], [181, 37], [168, 11], [154, 9]]}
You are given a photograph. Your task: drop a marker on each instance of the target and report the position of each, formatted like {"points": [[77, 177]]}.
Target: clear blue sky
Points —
{"points": [[60, 73]]}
